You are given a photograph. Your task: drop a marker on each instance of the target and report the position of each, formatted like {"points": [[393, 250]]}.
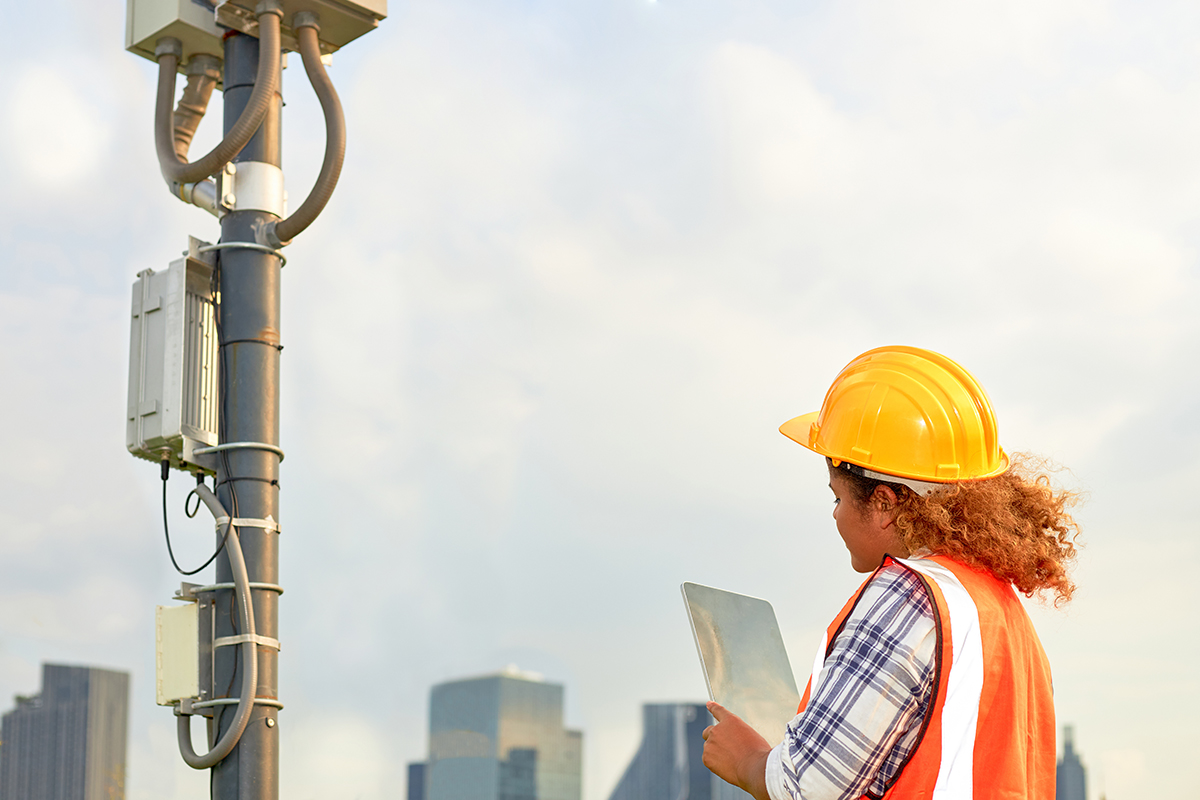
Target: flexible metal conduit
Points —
{"points": [[307, 25], [174, 169], [203, 71], [241, 582]]}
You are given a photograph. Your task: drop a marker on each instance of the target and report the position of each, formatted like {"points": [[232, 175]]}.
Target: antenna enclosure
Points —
{"points": [[201, 25], [173, 397]]}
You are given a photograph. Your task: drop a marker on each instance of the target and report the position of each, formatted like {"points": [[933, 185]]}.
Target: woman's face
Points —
{"points": [[865, 527]]}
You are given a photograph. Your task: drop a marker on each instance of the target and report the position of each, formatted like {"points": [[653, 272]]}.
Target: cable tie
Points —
{"points": [[273, 481], [242, 638], [250, 522]]}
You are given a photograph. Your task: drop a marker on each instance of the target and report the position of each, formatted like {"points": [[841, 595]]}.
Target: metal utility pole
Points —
{"points": [[205, 352], [249, 286]]}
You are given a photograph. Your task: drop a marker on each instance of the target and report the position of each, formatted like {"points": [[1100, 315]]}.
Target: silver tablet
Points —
{"points": [[745, 663]]}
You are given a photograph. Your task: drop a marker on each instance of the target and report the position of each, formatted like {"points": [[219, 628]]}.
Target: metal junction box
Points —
{"points": [[173, 363], [176, 653], [201, 24], [183, 651], [191, 22]]}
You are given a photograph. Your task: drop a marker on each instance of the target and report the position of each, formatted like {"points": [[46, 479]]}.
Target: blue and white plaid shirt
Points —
{"points": [[864, 719]]}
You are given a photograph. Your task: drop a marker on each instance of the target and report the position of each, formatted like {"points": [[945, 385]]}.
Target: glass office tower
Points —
{"points": [[416, 781], [501, 737], [67, 743], [668, 765]]}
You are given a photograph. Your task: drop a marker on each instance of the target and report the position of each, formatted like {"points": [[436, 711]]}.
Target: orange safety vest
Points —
{"points": [[989, 731]]}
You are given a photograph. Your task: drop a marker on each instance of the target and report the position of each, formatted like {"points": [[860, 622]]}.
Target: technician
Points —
{"points": [[931, 681]]}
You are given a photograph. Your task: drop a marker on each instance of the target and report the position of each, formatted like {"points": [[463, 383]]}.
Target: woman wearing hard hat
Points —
{"points": [[933, 682]]}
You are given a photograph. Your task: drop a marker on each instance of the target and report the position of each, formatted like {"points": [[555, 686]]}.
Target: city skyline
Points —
{"points": [[668, 758]]}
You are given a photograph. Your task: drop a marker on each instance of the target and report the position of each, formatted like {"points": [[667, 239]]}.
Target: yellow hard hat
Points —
{"points": [[905, 412]]}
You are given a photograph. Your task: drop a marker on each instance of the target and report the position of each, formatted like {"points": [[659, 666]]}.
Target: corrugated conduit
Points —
{"points": [[172, 143], [306, 25], [241, 581]]}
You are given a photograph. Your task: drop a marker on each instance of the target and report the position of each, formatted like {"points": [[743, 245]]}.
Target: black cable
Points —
{"points": [[237, 657], [276, 345], [166, 473], [222, 416], [191, 513], [273, 481]]}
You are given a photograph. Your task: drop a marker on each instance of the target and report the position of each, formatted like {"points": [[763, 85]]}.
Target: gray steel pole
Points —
{"points": [[249, 319]]}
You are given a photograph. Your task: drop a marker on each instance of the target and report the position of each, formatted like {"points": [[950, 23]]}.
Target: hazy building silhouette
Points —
{"points": [[67, 743], [500, 737], [416, 781], [1070, 778], [668, 765]]}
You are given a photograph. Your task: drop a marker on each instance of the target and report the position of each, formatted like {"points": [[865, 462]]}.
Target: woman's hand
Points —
{"points": [[735, 752]]}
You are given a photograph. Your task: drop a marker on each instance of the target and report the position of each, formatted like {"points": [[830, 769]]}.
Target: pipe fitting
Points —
{"points": [[306, 19], [168, 46], [202, 194], [204, 64], [268, 7], [266, 235]]}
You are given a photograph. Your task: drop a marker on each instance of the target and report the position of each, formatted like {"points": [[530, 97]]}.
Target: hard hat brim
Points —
{"points": [[799, 430]]}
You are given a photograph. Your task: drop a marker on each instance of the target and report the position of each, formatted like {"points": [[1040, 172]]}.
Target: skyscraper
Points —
{"points": [[1070, 778], [67, 743], [668, 765], [501, 737], [416, 780]]}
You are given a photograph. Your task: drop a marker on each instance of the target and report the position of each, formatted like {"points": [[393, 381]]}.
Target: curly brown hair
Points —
{"points": [[1014, 526]]}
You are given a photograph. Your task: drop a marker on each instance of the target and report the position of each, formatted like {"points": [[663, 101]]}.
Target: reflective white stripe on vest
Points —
{"points": [[960, 710], [815, 679]]}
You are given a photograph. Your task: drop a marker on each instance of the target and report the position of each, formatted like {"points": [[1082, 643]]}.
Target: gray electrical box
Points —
{"points": [[192, 23], [176, 653], [183, 651], [173, 363], [201, 25]]}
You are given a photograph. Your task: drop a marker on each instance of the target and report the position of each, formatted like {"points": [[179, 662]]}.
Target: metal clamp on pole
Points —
{"points": [[262, 248], [190, 707], [233, 701], [270, 448], [215, 587]]}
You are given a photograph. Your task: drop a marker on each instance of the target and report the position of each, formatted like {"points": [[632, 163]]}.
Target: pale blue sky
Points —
{"points": [[584, 259]]}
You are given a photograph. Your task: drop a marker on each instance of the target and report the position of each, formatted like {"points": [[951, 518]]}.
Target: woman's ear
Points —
{"points": [[885, 501]]}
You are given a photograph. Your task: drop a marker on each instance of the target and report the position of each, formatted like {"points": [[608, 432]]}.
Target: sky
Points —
{"points": [[583, 260]]}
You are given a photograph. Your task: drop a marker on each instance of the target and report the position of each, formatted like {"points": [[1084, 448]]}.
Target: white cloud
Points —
{"points": [[783, 139], [53, 134]]}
